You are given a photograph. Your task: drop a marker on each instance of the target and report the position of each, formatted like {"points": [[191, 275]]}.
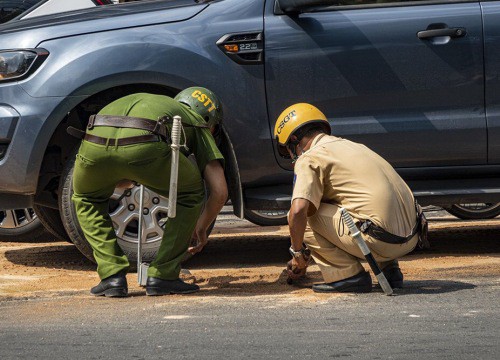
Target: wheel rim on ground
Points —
{"points": [[123, 210], [18, 218]]}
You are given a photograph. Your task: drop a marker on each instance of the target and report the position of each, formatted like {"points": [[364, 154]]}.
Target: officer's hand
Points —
{"points": [[296, 268], [200, 239]]}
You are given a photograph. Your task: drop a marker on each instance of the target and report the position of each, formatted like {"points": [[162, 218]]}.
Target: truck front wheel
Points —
{"points": [[123, 209]]}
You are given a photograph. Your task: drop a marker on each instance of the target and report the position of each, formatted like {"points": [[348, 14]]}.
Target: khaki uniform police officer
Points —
{"points": [[331, 172], [126, 141]]}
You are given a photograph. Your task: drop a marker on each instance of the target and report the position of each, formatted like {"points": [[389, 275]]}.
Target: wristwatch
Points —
{"points": [[296, 254]]}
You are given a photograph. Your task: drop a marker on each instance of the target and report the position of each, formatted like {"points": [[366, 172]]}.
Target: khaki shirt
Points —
{"points": [[348, 174]]}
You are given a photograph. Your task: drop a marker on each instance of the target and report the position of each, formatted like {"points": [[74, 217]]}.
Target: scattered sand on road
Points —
{"points": [[248, 261]]}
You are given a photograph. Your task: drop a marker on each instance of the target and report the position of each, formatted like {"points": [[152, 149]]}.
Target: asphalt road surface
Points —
{"points": [[447, 310]]}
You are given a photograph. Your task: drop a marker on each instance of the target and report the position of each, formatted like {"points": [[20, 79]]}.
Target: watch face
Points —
{"points": [[295, 254]]}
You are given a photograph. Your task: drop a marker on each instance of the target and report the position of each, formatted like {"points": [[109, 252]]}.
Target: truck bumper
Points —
{"points": [[25, 130]]}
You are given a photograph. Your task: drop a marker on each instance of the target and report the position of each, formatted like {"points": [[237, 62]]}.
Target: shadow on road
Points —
{"points": [[412, 287], [54, 257], [42, 238], [253, 250]]}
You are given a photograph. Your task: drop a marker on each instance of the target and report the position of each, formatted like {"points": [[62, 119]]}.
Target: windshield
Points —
{"points": [[11, 9]]}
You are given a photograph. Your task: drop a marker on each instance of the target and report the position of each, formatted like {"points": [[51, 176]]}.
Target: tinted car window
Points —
{"points": [[11, 9]]}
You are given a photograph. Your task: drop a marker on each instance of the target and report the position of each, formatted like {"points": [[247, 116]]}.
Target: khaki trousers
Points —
{"points": [[337, 254]]}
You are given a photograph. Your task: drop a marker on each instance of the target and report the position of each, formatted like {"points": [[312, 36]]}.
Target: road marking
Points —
{"points": [[414, 316], [20, 277], [176, 317]]}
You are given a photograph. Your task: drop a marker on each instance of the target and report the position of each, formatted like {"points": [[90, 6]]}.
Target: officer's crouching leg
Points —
{"points": [[335, 253], [112, 264], [98, 230], [163, 273]]}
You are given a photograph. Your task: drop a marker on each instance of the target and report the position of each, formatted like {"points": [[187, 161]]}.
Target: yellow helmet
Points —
{"points": [[293, 118]]}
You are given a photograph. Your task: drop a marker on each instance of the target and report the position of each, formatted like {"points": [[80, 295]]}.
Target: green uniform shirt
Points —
{"points": [[149, 106]]}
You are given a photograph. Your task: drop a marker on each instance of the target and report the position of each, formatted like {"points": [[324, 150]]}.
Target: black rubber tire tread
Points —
{"points": [[52, 222], [68, 212], [32, 232], [255, 218], [74, 231], [489, 212]]}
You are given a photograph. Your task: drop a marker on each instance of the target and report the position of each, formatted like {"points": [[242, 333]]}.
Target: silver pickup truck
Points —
{"points": [[415, 81]]}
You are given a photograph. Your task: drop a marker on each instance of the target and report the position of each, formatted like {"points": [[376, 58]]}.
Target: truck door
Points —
{"points": [[406, 80], [491, 11]]}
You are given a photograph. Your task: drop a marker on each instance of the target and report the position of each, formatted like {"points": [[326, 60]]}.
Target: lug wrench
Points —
{"points": [[356, 235]]}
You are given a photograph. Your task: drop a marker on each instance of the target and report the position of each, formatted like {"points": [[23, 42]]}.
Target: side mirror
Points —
{"points": [[298, 6]]}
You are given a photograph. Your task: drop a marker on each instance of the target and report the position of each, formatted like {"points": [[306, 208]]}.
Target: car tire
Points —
{"points": [[266, 217], [21, 225], [475, 211], [52, 222], [124, 219]]}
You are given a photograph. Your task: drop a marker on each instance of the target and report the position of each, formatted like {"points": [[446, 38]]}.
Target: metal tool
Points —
{"points": [[142, 267], [356, 235], [174, 167]]}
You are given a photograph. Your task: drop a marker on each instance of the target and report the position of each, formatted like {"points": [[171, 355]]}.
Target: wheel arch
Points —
{"points": [[59, 144], [232, 173]]}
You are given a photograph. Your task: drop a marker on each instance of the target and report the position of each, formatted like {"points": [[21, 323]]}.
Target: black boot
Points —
{"points": [[360, 283], [156, 286], [112, 286], [394, 275]]}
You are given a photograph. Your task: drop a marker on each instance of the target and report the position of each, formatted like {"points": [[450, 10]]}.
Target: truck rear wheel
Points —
{"points": [[267, 217], [475, 211]]}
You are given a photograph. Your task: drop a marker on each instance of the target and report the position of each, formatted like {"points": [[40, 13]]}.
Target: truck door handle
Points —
{"points": [[451, 32]]}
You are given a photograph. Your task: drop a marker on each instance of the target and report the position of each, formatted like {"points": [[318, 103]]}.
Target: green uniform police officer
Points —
{"points": [[123, 143]]}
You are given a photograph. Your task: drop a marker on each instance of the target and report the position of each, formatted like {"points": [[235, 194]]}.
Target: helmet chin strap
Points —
{"points": [[292, 146]]}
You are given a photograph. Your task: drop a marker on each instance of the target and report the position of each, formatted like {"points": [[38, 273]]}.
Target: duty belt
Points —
{"points": [[121, 141], [376, 232], [369, 228], [158, 129]]}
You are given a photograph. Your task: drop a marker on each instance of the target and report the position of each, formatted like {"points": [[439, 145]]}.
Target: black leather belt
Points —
{"points": [[156, 127], [376, 232], [122, 141]]}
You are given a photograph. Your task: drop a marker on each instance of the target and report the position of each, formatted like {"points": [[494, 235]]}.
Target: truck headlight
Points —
{"points": [[15, 64]]}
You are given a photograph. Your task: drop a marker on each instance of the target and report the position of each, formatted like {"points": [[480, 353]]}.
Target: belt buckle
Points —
{"points": [[365, 225], [90, 124]]}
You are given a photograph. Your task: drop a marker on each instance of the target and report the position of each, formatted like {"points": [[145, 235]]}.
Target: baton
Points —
{"points": [[356, 235], [174, 167]]}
